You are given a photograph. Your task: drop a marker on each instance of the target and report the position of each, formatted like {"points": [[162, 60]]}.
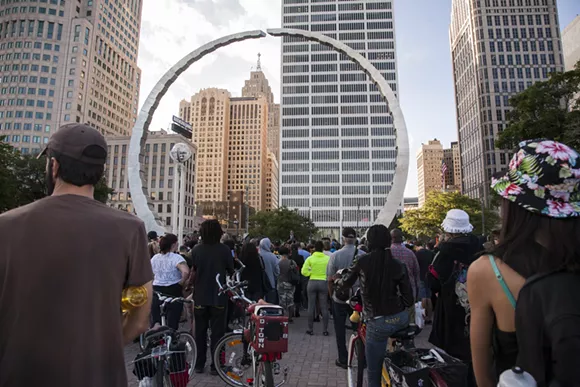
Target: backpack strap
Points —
{"points": [[501, 281]]}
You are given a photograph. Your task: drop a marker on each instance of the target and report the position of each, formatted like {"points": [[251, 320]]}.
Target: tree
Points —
{"points": [[426, 221], [549, 109], [102, 191], [277, 224], [9, 191]]}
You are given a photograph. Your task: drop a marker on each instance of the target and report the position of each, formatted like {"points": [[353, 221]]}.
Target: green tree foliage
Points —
{"points": [[278, 223], [426, 221], [22, 179], [549, 109]]}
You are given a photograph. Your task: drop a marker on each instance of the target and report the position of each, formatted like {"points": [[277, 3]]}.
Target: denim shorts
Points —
{"points": [[424, 291]]}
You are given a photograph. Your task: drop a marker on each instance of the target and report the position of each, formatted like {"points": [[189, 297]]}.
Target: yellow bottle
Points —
{"points": [[133, 297], [355, 317]]}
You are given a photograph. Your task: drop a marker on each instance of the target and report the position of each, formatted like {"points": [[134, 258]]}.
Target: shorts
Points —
{"points": [[424, 291], [285, 294]]}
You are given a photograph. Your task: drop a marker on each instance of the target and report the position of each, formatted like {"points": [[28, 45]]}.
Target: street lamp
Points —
{"points": [[180, 154]]}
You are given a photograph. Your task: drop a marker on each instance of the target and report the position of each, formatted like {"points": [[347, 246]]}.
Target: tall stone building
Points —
{"points": [[161, 174], [452, 160], [231, 135], [272, 182], [499, 48], [208, 112], [571, 43], [338, 138], [429, 162], [67, 61], [258, 86]]}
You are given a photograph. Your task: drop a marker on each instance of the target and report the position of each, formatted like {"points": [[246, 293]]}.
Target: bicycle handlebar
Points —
{"points": [[236, 287], [165, 299]]}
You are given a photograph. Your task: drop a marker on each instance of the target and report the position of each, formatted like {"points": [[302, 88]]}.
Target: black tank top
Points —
{"points": [[505, 350]]}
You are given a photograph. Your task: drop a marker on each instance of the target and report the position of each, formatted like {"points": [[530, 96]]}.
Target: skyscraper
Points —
{"points": [[64, 61], [499, 48], [231, 135], [571, 43], [258, 86], [429, 172], [338, 139]]}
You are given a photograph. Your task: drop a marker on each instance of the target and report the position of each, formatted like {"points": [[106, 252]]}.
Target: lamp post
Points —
{"points": [[180, 154]]}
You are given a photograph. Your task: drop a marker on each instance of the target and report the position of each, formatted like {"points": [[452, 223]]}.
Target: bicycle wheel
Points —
{"points": [[190, 351], [265, 375], [356, 364], [228, 359]]}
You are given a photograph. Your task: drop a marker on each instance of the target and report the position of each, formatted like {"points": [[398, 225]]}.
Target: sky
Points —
{"points": [[171, 29]]}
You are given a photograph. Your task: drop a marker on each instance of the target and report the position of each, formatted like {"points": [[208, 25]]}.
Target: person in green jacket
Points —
{"points": [[315, 269]]}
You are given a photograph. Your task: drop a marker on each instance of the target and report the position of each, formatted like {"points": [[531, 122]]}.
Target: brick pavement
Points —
{"points": [[310, 359]]}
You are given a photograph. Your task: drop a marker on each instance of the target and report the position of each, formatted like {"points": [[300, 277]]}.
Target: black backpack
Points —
{"points": [[548, 328]]}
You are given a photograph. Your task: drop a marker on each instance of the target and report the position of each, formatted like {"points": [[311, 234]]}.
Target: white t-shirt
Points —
{"points": [[165, 271]]}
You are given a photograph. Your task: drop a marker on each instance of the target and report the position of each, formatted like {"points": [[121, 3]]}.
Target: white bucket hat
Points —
{"points": [[457, 222]]}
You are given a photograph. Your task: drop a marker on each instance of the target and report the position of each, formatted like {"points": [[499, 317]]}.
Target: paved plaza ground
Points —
{"points": [[310, 359]]}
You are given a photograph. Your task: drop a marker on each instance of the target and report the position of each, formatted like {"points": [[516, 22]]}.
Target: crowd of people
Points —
{"points": [[511, 300]]}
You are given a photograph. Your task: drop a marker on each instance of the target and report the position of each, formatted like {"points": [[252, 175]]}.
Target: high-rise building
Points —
{"points": [[160, 172], [571, 43], [452, 161], [258, 86], [208, 112], [499, 48], [338, 139], [456, 165], [231, 135], [67, 61], [272, 182], [248, 150], [429, 171]]}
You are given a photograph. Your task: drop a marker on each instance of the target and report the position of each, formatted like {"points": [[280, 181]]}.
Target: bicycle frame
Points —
{"points": [[234, 290]]}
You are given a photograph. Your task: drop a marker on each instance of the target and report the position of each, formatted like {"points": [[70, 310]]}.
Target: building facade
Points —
{"points": [[338, 139], [429, 172], [272, 182], [571, 43], [410, 204], [499, 48], [232, 143], [65, 61], [258, 86], [160, 172], [452, 161]]}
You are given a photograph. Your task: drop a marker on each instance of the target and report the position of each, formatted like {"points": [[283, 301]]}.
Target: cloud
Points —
{"points": [[218, 12]]}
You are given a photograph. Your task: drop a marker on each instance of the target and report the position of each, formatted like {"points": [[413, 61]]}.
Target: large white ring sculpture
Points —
{"points": [[140, 197]]}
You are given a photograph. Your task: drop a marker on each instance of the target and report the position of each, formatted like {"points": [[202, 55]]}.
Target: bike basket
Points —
{"points": [[401, 368], [174, 360], [269, 329], [453, 371]]}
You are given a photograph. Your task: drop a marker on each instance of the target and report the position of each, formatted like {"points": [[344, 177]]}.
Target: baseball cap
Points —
{"points": [[79, 142], [348, 232]]}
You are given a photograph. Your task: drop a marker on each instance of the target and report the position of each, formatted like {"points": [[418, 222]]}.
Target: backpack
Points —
{"points": [[548, 326], [266, 285]]}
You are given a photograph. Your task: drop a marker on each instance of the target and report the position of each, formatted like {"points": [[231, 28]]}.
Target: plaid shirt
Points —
{"points": [[407, 257]]}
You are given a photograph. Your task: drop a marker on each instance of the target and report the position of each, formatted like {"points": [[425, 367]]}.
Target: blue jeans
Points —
{"points": [[378, 332]]}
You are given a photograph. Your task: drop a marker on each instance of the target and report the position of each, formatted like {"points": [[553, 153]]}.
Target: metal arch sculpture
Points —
{"points": [[140, 198]]}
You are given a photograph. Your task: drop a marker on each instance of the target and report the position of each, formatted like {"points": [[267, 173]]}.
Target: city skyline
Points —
{"points": [[422, 38]]}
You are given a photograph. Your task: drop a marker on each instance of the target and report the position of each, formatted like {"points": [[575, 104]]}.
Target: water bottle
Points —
{"points": [[516, 377]]}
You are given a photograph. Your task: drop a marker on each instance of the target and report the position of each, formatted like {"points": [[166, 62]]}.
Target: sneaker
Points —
{"points": [[340, 364], [213, 371], [199, 370]]}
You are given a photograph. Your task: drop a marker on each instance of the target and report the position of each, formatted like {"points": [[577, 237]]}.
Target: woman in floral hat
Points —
{"points": [[540, 233]]}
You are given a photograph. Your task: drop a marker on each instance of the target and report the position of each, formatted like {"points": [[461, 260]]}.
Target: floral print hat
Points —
{"points": [[544, 178]]}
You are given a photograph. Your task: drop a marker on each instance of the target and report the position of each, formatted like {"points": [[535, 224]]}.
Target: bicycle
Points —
{"points": [[167, 357], [257, 346], [402, 346]]}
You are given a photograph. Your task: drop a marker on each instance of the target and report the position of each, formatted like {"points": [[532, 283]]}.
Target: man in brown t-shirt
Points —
{"points": [[64, 261]]}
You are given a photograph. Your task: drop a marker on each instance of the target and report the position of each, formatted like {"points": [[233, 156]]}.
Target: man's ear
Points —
{"points": [[55, 168]]}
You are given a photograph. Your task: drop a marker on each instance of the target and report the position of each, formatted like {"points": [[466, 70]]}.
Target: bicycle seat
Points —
{"points": [[157, 332], [407, 333], [252, 308]]}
